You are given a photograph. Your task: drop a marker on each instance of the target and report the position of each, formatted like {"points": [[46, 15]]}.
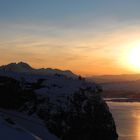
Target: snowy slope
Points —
{"points": [[15, 125], [62, 85], [14, 132]]}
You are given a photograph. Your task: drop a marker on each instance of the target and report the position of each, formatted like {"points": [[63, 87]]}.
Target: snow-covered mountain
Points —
{"points": [[16, 67], [24, 68], [70, 108]]}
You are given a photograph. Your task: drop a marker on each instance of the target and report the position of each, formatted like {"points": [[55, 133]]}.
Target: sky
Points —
{"points": [[88, 37]]}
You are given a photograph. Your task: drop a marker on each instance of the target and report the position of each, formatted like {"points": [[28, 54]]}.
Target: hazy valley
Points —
{"points": [[119, 86]]}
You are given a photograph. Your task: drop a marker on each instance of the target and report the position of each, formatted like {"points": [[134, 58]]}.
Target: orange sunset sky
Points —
{"points": [[87, 37]]}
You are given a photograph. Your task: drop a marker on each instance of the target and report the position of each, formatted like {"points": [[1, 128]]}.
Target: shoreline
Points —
{"points": [[121, 100]]}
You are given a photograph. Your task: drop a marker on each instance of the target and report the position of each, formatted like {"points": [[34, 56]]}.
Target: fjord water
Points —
{"points": [[127, 118]]}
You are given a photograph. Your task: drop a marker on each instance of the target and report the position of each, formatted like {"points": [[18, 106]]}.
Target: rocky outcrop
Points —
{"points": [[81, 116], [72, 109]]}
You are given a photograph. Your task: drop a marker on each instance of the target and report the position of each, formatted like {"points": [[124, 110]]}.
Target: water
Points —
{"points": [[127, 118]]}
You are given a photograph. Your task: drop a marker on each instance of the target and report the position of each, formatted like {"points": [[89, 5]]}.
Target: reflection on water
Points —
{"points": [[127, 118]]}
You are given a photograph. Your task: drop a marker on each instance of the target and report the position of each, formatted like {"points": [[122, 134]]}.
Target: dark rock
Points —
{"points": [[82, 116]]}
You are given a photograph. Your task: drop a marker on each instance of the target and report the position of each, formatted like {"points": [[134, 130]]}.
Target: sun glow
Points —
{"points": [[134, 58], [130, 57]]}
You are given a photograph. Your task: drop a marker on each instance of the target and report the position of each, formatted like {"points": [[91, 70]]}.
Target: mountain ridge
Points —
{"points": [[23, 67]]}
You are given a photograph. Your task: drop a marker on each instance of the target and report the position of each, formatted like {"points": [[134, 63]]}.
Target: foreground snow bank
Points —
{"points": [[16, 125], [10, 131]]}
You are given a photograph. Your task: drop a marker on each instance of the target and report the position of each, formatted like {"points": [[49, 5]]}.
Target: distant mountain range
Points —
{"points": [[114, 78], [119, 86], [24, 68]]}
